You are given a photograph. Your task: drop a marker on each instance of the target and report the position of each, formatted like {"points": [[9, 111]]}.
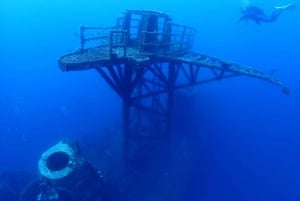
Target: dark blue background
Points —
{"points": [[248, 130]]}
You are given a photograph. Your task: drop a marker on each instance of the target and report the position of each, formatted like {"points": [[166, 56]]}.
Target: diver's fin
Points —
{"points": [[289, 6]]}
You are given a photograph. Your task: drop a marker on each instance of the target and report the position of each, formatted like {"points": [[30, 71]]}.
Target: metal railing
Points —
{"points": [[94, 36], [118, 42], [179, 39], [108, 37]]}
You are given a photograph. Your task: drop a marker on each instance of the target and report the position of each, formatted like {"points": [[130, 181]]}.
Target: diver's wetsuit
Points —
{"points": [[256, 14]]}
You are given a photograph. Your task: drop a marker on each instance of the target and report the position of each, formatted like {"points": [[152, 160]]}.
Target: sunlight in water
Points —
{"points": [[245, 3]]}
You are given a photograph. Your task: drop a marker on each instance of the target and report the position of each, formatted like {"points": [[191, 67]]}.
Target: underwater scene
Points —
{"points": [[149, 100]]}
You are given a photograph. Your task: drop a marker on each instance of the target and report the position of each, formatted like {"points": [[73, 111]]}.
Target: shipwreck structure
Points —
{"points": [[144, 58], [64, 174]]}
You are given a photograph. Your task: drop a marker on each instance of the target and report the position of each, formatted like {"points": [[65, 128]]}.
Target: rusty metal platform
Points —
{"points": [[144, 58], [97, 56], [100, 56]]}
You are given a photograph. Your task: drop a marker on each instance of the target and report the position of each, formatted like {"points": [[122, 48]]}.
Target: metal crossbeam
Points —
{"points": [[216, 64], [145, 58]]}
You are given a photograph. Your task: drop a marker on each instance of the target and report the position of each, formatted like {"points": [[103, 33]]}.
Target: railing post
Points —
{"points": [[182, 38], [125, 38], [111, 35]]}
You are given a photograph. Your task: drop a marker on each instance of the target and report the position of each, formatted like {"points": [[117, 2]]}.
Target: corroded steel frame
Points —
{"points": [[145, 58]]}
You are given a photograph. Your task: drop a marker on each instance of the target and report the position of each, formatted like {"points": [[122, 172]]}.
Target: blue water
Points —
{"points": [[247, 130]]}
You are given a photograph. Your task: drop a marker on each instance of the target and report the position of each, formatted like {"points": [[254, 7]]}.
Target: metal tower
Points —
{"points": [[144, 58]]}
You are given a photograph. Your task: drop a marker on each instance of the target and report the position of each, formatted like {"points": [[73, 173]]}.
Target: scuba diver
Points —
{"points": [[257, 14]]}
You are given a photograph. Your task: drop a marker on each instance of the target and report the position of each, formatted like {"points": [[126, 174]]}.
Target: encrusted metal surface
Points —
{"points": [[141, 35], [86, 59]]}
